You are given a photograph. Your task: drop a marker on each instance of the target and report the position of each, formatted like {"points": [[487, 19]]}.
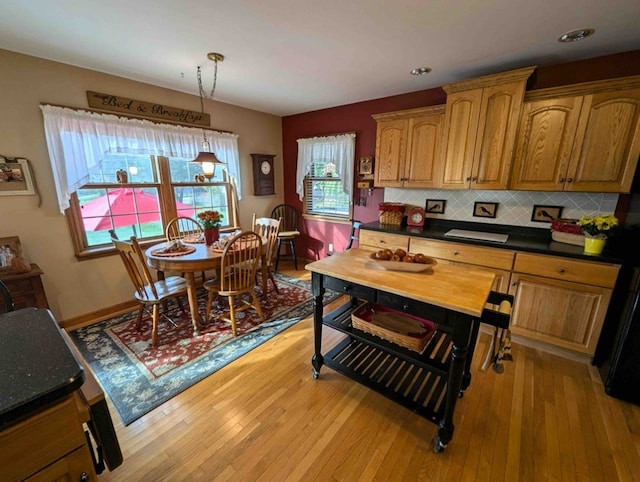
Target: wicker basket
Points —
{"points": [[568, 238], [388, 217], [363, 319], [567, 231]]}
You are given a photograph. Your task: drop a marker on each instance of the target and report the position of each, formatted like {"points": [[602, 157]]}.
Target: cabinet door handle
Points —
{"points": [[468, 179], [406, 307], [84, 477], [569, 179], [455, 253], [561, 270], [561, 179]]}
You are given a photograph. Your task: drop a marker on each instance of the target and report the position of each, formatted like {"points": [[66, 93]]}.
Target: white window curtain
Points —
{"points": [[78, 141], [339, 149]]}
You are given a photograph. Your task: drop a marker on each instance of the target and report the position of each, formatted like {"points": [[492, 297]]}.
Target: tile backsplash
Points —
{"points": [[514, 207]]}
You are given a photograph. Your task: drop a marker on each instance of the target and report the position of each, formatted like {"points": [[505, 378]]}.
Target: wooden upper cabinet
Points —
{"points": [[544, 144], [481, 122], [391, 147], [408, 148], [607, 143], [583, 137]]}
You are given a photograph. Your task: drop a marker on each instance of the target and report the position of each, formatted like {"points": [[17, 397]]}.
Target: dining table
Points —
{"points": [[199, 257]]}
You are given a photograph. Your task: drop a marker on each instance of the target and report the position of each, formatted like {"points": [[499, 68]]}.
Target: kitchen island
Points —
{"points": [[45, 401], [429, 383]]}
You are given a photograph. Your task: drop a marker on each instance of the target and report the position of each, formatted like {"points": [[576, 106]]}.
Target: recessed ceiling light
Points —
{"points": [[420, 71], [576, 35]]}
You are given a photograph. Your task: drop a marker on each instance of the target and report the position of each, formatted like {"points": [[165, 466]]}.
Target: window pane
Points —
{"points": [[328, 198], [130, 211], [201, 197], [139, 168], [182, 170]]}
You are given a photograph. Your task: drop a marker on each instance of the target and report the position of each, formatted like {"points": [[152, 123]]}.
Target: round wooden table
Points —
{"points": [[202, 259]]}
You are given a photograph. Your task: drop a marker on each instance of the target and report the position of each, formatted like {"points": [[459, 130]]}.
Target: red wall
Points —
{"points": [[315, 236]]}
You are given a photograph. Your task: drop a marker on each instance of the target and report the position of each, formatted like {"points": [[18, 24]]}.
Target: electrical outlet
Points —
{"points": [[331, 247]]}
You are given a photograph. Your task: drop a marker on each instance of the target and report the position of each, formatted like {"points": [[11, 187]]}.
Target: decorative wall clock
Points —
{"points": [[263, 176]]}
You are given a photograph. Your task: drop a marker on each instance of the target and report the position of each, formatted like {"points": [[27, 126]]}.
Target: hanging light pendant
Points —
{"points": [[206, 158]]}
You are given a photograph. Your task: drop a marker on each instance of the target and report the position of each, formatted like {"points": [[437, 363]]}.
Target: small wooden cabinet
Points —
{"points": [[481, 121], [561, 301], [586, 143], [26, 289], [408, 148]]}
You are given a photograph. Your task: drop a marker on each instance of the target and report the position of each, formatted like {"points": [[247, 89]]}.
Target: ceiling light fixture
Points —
{"points": [[206, 158], [420, 71], [576, 35]]}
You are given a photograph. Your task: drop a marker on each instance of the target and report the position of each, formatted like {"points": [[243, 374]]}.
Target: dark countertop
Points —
{"points": [[36, 365], [531, 240]]}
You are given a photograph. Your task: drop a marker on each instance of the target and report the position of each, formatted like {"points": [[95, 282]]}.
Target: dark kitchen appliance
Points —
{"points": [[620, 370]]}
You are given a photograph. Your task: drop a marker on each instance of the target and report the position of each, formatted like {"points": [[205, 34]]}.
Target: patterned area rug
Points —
{"points": [[138, 377]]}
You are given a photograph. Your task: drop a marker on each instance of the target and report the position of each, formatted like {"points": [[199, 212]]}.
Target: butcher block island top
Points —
{"points": [[456, 288]]}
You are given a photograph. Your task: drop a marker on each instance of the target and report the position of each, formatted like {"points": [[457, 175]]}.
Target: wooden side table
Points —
{"points": [[26, 289]]}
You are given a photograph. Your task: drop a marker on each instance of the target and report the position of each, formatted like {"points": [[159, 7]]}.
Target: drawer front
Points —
{"points": [[417, 308], [351, 289], [463, 253], [376, 239], [556, 267]]}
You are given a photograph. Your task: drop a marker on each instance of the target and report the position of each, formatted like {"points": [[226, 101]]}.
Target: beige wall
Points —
{"points": [[77, 288]]}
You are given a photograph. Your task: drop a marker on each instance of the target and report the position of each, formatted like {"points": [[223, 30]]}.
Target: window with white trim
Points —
{"points": [[92, 153], [325, 175]]}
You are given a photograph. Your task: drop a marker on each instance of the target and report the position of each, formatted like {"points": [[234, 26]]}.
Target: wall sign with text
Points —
{"points": [[138, 108]]}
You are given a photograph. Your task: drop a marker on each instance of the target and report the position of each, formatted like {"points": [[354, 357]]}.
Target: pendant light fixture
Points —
{"points": [[206, 158]]}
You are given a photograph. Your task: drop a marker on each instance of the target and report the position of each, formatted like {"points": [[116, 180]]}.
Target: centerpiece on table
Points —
{"points": [[597, 229], [211, 221]]}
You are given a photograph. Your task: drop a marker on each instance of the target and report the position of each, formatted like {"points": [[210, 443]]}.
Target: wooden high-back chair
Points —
{"points": [[288, 231], [238, 268], [182, 227], [147, 291], [268, 229]]}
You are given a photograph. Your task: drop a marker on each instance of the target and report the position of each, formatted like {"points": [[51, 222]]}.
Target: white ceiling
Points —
{"points": [[291, 56]]}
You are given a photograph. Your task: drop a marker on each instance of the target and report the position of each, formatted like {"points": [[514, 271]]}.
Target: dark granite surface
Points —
{"points": [[36, 365], [532, 240]]}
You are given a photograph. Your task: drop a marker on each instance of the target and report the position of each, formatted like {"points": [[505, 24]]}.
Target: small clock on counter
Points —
{"points": [[416, 216], [263, 178]]}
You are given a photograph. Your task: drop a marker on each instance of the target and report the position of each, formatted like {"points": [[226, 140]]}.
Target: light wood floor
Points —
{"points": [[263, 417]]}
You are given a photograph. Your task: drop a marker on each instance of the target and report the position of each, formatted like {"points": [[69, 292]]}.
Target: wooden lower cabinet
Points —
{"points": [[381, 240], [560, 301], [49, 445]]}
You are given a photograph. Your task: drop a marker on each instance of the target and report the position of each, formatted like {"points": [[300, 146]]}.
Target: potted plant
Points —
{"points": [[211, 221], [597, 229]]}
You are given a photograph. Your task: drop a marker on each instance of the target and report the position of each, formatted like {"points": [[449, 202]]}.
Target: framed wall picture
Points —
{"points": [[485, 210], [10, 248], [365, 166], [435, 206], [15, 177], [545, 214]]}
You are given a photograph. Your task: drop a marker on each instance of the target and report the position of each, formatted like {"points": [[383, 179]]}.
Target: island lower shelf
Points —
{"points": [[413, 380]]}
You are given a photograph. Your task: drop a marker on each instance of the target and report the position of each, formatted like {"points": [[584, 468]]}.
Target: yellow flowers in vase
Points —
{"points": [[599, 227]]}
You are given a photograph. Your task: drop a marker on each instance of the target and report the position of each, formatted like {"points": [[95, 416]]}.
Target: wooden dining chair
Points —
{"points": [[288, 232], [184, 228], [147, 291], [6, 296], [238, 268], [268, 229]]}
